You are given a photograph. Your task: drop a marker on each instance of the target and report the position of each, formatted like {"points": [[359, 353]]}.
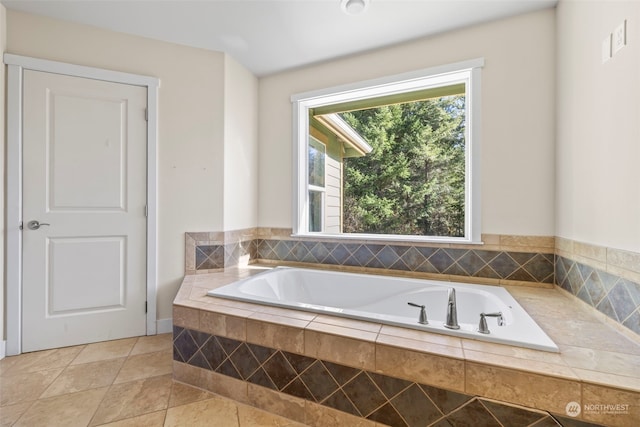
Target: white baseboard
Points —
{"points": [[164, 326], [3, 349]]}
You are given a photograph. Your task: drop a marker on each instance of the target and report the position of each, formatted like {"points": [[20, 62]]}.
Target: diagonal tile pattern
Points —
{"points": [[368, 395], [115, 383], [614, 296]]}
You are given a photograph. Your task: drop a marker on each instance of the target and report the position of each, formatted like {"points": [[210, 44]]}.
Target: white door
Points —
{"points": [[84, 182]]}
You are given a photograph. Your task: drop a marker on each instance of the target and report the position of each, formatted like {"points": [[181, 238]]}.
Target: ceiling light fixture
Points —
{"points": [[354, 7]]}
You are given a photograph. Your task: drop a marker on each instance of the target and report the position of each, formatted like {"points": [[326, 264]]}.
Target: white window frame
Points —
{"points": [[468, 72], [322, 190]]}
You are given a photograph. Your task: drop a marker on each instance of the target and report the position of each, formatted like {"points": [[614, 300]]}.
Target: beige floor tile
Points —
{"points": [[25, 387], [181, 394], [84, 377], [145, 366], [105, 351], [39, 360], [10, 414], [215, 412], [152, 344], [133, 398], [154, 419], [69, 410], [249, 416]]}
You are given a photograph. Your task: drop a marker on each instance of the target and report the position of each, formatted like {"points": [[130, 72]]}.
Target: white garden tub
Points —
{"points": [[384, 299]]}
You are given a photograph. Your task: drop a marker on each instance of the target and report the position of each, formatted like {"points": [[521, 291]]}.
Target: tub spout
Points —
{"points": [[452, 311]]}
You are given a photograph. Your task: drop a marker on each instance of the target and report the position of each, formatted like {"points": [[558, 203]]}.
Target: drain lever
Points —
{"points": [[422, 319]]}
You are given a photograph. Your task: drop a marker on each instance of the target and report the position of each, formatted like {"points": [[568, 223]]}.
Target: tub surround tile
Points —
{"points": [[345, 331], [323, 416], [503, 259], [415, 335], [186, 317], [339, 349], [611, 289], [559, 378], [438, 371], [223, 325], [622, 382], [280, 336], [550, 393], [525, 354], [314, 390], [603, 361], [347, 323], [610, 406], [421, 346], [278, 403], [561, 370]]}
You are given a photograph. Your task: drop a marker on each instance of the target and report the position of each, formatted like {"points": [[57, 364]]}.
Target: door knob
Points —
{"points": [[34, 225]]}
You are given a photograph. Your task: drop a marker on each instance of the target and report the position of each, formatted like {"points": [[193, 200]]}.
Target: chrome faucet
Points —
{"points": [[422, 319], [482, 326], [452, 311]]}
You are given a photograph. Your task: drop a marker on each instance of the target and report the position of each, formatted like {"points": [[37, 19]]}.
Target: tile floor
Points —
{"points": [[120, 383]]}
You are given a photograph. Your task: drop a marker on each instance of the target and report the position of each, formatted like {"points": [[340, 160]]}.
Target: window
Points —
{"points": [[394, 158], [317, 152]]}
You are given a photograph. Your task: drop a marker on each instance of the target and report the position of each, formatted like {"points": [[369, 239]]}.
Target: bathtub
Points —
{"points": [[384, 299]]}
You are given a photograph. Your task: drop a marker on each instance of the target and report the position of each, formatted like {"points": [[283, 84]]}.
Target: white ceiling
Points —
{"points": [[268, 36]]}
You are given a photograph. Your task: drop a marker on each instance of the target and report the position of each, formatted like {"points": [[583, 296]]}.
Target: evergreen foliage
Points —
{"points": [[413, 182]]}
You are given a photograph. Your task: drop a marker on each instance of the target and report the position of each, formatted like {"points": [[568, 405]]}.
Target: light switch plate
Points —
{"points": [[620, 37], [606, 48]]}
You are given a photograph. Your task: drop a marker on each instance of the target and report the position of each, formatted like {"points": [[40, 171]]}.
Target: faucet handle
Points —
{"points": [[482, 326], [422, 319]]}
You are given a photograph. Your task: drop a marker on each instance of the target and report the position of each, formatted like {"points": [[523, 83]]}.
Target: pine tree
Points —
{"points": [[412, 183]]}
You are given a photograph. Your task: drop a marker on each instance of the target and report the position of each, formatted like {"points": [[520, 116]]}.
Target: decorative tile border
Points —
{"points": [[365, 394], [479, 263], [207, 252], [610, 294]]}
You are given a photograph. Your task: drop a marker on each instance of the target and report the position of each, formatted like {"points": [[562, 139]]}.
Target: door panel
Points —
{"points": [[103, 157], [84, 174]]}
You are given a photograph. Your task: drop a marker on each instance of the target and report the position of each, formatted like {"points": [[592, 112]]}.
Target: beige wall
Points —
{"points": [[598, 126], [3, 40], [240, 148], [191, 122], [517, 117]]}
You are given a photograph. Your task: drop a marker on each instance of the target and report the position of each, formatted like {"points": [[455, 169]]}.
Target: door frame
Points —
{"points": [[16, 64]]}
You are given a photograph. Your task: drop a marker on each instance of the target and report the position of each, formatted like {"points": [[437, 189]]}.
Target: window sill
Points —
{"points": [[387, 238]]}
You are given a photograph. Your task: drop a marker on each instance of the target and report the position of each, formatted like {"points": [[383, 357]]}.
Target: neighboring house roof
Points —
{"points": [[346, 133]]}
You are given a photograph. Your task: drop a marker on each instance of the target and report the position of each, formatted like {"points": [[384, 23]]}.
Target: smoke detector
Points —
{"points": [[354, 7]]}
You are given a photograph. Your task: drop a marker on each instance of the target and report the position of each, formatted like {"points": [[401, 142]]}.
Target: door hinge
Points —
{"points": [[21, 226], [146, 211], [146, 307], [146, 114]]}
